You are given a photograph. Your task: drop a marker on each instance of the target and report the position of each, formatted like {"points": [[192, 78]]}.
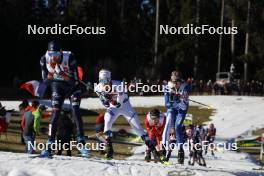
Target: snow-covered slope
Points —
{"points": [[234, 115]]}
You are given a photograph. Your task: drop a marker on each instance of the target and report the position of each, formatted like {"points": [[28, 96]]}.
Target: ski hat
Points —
{"points": [[54, 45], [154, 113], [104, 76]]}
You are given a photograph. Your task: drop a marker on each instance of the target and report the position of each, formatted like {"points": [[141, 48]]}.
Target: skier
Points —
{"points": [[155, 123], [59, 70], [177, 103], [117, 103], [202, 131], [195, 146], [210, 137], [31, 125]]}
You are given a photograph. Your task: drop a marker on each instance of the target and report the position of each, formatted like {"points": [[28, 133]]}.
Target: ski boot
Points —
{"points": [[147, 156], [83, 151], [212, 153], [162, 156], [47, 153], [156, 156], [109, 149], [191, 163], [181, 156], [151, 145]]}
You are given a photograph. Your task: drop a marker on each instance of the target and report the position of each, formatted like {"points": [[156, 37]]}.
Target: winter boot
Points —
{"points": [[148, 155], [181, 156], [109, 149], [84, 152]]}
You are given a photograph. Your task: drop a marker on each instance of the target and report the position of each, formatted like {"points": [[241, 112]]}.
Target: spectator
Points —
{"points": [[4, 119], [210, 137], [31, 126], [209, 87], [246, 89], [23, 107], [201, 87]]}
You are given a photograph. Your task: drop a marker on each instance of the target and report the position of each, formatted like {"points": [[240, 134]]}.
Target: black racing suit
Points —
{"points": [[62, 89]]}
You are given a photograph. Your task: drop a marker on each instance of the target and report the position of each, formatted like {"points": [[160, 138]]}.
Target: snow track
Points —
{"points": [[234, 115]]}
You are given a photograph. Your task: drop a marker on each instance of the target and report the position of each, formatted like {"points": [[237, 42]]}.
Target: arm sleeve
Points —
{"points": [[73, 67], [163, 124], [44, 70], [168, 104], [103, 100], [36, 122], [147, 126]]}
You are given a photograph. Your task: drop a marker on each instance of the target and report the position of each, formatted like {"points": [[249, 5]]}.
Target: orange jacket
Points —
{"points": [[155, 130]]}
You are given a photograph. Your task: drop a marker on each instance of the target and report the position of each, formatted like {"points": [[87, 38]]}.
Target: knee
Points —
{"points": [[75, 100], [108, 134]]}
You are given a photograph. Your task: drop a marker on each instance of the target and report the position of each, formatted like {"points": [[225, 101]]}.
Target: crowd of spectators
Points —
{"points": [[209, 87]]}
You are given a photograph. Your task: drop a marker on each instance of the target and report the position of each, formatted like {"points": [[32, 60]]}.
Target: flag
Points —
{"points": [[80, 73], [36, 88]]}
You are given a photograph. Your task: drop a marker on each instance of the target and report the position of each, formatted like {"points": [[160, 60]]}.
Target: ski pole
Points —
{"points": [[209, 107]]}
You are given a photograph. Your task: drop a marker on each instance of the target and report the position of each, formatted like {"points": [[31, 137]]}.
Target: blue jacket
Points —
{"points": [[179, 99]]}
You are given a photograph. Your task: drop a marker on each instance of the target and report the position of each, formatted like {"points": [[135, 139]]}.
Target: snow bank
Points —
{"points": [[234, 114]]}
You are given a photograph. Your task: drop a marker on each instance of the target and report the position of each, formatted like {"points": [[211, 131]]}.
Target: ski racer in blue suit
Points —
{"points": [[177, 103]]}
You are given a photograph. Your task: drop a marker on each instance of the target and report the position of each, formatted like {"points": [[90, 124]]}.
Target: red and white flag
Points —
{"points": [[36, 88]]}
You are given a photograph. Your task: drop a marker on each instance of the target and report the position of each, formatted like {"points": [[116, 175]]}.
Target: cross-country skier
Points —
{"points": [[210, 137], [202, 131], [155, 123], [59, 69], [177, 103], [116, 100], [195, 146]]}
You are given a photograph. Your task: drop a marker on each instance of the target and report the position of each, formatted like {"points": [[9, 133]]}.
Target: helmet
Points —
{"points": [[154, 113], [54, 46], [104, 76]]}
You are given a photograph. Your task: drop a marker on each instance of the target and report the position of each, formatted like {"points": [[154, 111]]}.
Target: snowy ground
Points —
{"points": [[234, 115]]}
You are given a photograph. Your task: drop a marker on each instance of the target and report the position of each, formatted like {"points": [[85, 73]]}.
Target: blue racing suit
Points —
{"points": [[61, 88], [177, 103]]}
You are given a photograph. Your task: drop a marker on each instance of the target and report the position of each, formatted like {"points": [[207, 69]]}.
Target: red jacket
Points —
{"points": [[155, 130]]}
